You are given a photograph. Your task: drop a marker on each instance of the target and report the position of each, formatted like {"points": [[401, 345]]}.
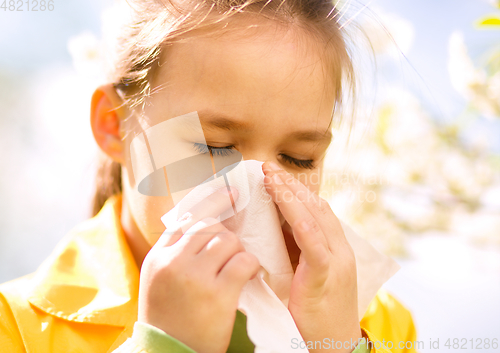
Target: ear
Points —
{"points": [[106, 116]]}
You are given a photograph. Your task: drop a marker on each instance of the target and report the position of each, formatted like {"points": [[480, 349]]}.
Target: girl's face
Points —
{"points": [[265, 94]]}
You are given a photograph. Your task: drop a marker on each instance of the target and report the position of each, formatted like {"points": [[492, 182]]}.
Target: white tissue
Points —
{"points": [[264, 299]]}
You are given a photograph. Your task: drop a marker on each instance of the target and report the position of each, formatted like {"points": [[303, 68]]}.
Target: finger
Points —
{"points": [[318, 208], [296, 212], [219, 250], [210, 207], [200, 234], [315, 255], [242, 267]]}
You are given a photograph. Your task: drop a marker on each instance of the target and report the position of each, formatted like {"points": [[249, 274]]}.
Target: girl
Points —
{"points": [[266, 78]]}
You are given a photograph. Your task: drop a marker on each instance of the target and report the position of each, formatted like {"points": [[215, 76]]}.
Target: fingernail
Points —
{"points": [[224, 191], [274, 166], [305, 226], [187, 216], [277, 180]]}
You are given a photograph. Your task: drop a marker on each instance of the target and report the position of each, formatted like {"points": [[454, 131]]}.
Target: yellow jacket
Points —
{"points": [[83, 298]]}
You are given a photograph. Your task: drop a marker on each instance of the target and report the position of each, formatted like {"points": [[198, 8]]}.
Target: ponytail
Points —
{"points": [[108, 182]]}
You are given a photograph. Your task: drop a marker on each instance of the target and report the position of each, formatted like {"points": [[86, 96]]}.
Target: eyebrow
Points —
{"points": [[212, 121], [312, 135]]}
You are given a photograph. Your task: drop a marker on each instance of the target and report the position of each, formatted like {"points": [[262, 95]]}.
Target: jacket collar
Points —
{"points": [[91, 276]]}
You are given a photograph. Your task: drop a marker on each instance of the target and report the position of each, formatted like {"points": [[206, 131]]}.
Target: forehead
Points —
{"points": [[270, 71]]}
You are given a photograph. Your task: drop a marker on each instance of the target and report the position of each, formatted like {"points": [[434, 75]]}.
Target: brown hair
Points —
{"points": [[156, 24]]}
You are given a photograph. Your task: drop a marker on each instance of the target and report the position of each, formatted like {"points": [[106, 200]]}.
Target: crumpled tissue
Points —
{"points": [[264, 299]]}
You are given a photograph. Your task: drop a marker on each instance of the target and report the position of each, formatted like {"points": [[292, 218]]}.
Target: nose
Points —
{"points": [[261, 156]]}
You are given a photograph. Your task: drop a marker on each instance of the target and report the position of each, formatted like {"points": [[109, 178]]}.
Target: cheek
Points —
{"points": [[146, 211], [311, 179]]}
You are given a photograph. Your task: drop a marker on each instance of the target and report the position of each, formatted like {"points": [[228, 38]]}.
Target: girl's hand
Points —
{"points": [[190, 283], [323, 297]]}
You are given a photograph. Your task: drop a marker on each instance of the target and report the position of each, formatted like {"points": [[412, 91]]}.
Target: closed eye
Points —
{"points": [[228, 150], [301, 163], [215, 151]]}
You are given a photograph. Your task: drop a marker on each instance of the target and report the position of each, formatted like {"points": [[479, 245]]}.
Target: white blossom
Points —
{"points": [[86, 52], [389, 33], [472, 83]]}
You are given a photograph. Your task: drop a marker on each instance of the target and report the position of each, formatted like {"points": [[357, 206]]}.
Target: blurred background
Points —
{"points": [[419, 178]]}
